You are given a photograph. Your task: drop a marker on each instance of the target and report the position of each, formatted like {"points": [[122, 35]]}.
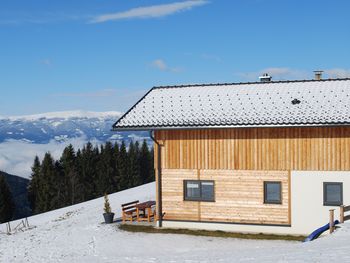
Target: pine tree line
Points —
{"points": [[88, 173]]}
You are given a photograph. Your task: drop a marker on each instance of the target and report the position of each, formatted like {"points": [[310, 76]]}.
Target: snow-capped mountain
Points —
{"points": [[60, 126], [24, 137]]}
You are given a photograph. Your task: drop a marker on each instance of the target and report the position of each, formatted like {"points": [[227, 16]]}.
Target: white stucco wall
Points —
{"points": [[307, 210]]}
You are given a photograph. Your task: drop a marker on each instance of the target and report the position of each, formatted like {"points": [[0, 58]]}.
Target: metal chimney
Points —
{"points": [[265, 78], [318, 74]]}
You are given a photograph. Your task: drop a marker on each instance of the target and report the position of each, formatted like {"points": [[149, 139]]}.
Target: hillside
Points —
{"points": [[18, 187], [75, 234]]}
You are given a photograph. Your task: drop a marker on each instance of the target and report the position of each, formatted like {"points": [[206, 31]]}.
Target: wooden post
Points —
{"points": [[331, 221], [9, 228], [341, 216]]}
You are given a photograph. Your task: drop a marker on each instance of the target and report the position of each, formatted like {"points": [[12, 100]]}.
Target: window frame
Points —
{"points": [[325, 203], [265, 193], [200, 198]]}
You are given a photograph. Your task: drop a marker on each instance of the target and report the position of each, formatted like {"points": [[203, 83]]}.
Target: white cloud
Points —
{"points": [[161, 65], [46, 62], [150, 11], [16, 157], [338, 73]]}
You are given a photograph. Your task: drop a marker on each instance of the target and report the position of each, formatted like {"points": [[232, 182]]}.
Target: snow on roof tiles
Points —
{"points": [[276, 103]]}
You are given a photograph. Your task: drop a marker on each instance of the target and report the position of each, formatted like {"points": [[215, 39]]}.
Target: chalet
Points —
{"points": [[263, 157]]}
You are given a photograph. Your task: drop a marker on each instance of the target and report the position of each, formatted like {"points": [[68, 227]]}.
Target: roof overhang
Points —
{"points": [[154, 128]]}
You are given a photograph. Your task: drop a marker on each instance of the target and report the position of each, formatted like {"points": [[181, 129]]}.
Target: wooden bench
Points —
{"points": [[128, 210]]}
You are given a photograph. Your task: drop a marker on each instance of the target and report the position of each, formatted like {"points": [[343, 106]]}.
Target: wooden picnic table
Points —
{"points": [[145, 206]]}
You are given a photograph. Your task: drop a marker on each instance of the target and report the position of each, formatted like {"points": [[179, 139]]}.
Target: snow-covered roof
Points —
{"points": [[275, 103]]}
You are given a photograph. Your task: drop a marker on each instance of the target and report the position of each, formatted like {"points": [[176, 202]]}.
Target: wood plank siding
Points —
{"points": [[239, 197], [278, 149], [239, 161]]}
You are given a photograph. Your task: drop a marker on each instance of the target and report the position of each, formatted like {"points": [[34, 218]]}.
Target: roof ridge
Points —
{"points": [[245, 83]]}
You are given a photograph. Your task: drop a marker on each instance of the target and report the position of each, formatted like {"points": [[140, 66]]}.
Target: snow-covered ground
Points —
{"points": [[75, 234]]}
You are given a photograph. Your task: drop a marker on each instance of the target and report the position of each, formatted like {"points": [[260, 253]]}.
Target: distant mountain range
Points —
{"points": [[24, 137], [60, 126]]}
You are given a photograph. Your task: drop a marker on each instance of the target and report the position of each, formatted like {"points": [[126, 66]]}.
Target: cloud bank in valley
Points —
{"points": [[16, 157]]}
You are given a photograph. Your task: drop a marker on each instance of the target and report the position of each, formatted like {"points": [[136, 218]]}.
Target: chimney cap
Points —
{"points": [[265, 77], [318, 74]]}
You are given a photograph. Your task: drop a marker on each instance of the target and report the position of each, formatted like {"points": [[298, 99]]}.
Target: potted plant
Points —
{"points": [[108, 215]]}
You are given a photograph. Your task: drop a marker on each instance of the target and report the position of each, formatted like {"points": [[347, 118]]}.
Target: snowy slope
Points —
{"points": [[75, 234]]}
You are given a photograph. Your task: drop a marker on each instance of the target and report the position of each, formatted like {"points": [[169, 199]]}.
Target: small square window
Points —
{"points": [[332, 194], [272, 193], [196, 190]]}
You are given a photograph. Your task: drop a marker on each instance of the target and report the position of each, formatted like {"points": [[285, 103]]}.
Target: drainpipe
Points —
{"points": [[159, 169]]}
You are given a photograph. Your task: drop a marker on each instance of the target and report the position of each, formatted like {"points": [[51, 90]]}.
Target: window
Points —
{"points": [[272, 193], [198, 190], [332, 194]]}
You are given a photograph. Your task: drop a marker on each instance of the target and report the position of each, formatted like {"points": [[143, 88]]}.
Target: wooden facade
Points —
{"points": [[239, 161], [278, 149]]}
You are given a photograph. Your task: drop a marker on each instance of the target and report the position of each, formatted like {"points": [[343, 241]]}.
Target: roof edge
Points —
{"points": [[126, 113], [153, 128], [247, 83]]}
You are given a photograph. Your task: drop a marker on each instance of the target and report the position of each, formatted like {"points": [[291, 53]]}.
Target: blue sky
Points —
{"points": [[103, 55]]}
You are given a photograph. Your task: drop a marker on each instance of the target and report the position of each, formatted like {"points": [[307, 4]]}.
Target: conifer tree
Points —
{"points": [[106, 169], [7, 206], [34, 184], [80, 192], [146, 167], [47, 187], [134, 178], [116, 174], [88, 167], [59, 188], [123, 167], [71, 175]]}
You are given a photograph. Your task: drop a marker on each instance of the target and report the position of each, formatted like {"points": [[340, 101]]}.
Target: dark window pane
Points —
{"points": [[272, 192], [192, 190], [207, 190], [333, 193]]}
